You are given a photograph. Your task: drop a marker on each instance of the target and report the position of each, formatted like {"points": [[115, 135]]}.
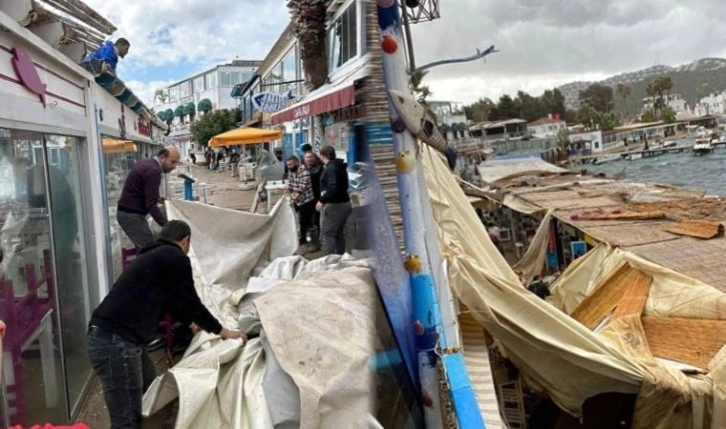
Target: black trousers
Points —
{"points": [[306, 212]]}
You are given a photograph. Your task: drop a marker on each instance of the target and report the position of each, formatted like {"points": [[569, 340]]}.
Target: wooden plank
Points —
{"points": [[635, 296], [691, 341], [697, 228], [606, 296]]}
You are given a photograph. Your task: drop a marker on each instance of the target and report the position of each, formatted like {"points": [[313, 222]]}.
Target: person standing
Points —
{"points": [[234, 162], [334, 204], [315, 168], [140, 196], [159, 280], [300, 188]]}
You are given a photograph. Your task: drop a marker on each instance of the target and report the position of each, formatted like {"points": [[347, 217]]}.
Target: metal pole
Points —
{"points": [[426, 317], [409, 40]]}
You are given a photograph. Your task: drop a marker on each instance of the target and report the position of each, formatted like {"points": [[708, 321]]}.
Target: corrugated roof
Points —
{"points": [[498, 169]]}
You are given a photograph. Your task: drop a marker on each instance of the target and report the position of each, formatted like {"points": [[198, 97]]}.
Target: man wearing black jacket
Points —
{"points": [[334, 205], [159, 280]]}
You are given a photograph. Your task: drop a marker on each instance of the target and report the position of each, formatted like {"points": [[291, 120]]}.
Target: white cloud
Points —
{"points": [[172, 32], [544, 43]]}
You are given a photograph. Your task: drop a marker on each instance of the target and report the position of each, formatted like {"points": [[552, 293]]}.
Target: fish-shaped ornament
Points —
{"points": [[421, 125], [28, 74], [270, 102]]}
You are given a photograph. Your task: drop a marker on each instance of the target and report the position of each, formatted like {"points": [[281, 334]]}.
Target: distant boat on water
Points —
{"points": [[702, 146]]}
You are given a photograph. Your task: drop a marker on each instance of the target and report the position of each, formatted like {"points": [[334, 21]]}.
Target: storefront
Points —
{"points": [[54, 221]]}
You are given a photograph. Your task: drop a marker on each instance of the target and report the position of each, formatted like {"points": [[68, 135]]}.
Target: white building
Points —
{"points": [[713, 104], [674, 101], [179, 104], [546, 127]]}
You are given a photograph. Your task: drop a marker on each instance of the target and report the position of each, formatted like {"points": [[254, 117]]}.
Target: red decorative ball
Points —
{"points": [[389, 44]]}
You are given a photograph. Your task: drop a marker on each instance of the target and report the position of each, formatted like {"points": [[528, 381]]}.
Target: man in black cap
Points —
{"points": [[159, 280]]}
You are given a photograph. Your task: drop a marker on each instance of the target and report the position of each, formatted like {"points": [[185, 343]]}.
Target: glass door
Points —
{"points": [[32, 362], [66, 202]]}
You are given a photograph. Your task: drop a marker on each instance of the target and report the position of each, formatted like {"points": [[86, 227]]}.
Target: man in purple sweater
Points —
{"points": [[140, 196]]}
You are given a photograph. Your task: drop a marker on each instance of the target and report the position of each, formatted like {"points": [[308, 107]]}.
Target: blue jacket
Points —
{"points": [[106, 53]]}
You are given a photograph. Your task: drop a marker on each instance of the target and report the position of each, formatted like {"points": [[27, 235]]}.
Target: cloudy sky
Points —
{"points": [[545, 43], [173, 39], [542, 43]]}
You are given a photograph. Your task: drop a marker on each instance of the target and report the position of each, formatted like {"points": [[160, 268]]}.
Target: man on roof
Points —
{"points": [[108, 54]]}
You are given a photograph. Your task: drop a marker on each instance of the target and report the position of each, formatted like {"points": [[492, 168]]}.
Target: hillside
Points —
{"points": [[693, 81]]}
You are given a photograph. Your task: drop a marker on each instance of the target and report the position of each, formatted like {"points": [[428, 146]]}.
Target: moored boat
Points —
{"points": [[702, 146]]}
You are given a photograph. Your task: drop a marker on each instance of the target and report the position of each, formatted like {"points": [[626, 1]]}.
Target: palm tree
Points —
{"points": [[423, 93], [308, 18]]}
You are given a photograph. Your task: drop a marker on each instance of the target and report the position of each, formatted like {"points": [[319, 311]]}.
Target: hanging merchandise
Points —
{"points": [[270, 102]]}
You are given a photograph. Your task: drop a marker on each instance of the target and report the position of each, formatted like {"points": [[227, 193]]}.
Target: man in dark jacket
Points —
{"points": [[159, 280], [334, 204], [140, 196]]}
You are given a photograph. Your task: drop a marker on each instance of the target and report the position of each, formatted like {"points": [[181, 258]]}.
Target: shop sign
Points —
{"points": [[270, 102], [143, 128], [301, 112], [27, 73], [349, 114]]}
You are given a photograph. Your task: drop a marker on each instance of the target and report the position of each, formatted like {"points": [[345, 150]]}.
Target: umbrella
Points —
{"points": [[241, 136]]}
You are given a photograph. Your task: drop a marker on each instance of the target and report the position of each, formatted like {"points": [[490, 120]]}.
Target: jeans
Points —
{"points": [[125, 370], [305, 215]]}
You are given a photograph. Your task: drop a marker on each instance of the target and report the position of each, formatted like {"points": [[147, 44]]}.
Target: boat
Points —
{"points": [[604, 159], [702, 147], [633, 156]]}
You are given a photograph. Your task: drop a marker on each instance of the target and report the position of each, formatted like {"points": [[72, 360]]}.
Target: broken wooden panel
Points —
{"points": [[607, 296], [697, 228], [621, 216], [635, 296], [690, 341]]}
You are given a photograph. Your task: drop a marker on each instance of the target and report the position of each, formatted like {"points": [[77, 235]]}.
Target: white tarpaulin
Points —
{"points": [[317, 319]]}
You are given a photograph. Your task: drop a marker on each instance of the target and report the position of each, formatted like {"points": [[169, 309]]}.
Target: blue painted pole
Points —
{"points": [[426, 321], [426, 306]]}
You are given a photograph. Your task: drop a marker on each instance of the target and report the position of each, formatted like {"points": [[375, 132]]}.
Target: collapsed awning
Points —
{"points": [[242, 136], [328, 98], [119, 146]]}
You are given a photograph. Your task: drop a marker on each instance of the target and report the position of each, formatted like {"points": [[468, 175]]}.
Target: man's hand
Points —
{"points": [[161, 199], [194, 328], [227, 334], [106, 68], [282, 191], [319, 206]]}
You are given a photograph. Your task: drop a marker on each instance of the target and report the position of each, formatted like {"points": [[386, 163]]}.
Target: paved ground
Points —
{"points": [[222, 190]]}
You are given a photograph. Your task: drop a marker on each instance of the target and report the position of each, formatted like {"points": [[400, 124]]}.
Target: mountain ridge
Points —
{"points": [[692, 81]]}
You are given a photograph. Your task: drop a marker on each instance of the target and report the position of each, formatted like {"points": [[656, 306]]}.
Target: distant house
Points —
{"points": [[547, 126], [674, 101], [493, 130]]}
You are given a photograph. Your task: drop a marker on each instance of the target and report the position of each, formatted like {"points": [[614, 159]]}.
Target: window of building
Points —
{"points": [[173, 93], [289, 72], [199, 84], [185, 89], [211, 80], [232, 78], [343, 37]]}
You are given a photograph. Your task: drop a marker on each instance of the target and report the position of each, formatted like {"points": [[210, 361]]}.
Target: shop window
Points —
{"points": [[45, 278], [343, 38]]}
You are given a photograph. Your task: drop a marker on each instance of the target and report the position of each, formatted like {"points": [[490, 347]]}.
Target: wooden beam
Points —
{"points": [[691, 341], [635, 296], [607, 295]]}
